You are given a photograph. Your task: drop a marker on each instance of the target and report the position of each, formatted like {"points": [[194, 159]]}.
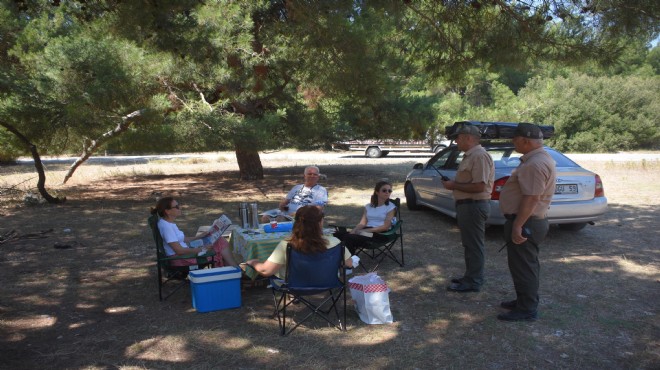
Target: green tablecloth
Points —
{"points": [[257, 245]]}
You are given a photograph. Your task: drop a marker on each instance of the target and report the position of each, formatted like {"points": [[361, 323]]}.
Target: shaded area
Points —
{"points": [[96, 304]]}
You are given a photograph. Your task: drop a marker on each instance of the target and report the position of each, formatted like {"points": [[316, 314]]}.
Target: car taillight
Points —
{"points": [[600, 191], [497, 188]]}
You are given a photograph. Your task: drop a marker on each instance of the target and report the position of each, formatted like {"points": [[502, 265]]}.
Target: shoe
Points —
{"points": [[462, 288], [509, 305], [457, 280], [516, 315]]}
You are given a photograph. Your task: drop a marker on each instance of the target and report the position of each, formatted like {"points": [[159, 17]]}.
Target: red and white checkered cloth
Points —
{"points": [[371, 288]]}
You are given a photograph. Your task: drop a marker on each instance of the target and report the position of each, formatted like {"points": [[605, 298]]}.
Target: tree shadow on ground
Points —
{"points": [[96, 304]]}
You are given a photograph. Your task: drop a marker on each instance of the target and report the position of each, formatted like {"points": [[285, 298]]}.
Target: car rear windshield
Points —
{"points": [[507, 157]]}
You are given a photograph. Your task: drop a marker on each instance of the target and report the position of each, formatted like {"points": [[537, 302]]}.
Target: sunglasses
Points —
{"points": [[176, 206], [386, 190]]}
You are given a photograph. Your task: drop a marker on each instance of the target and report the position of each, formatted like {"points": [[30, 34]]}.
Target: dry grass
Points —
{"points": [[95, 305]]}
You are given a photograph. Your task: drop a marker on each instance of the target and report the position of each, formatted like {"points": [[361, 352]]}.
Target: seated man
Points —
{"points": [[308, 193]]}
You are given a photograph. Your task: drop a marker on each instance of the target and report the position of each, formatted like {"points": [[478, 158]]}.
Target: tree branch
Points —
{"points": [[91, 146], [41, 183]]}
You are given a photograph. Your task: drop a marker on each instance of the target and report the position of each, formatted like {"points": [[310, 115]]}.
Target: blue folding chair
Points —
{"points": [[309, 276]]}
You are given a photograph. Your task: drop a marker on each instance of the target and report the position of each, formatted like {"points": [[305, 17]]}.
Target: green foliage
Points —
{"points": [[10, 148], [267, 74], [596, 113]]}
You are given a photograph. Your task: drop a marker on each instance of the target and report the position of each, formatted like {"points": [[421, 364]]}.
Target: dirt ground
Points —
{"points": [[94, 305]]}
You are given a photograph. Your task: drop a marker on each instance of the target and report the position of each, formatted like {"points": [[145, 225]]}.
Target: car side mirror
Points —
{"points": [[418, 166]]}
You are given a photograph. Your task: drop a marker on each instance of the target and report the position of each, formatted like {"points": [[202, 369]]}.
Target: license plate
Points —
{"points": [[566, 189]]}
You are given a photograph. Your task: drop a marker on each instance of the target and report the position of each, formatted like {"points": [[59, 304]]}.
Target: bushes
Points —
{"points": [[596, 114]]}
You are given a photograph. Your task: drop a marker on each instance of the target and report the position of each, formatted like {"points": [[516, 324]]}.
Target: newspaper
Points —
{"points": [[215, 232]]}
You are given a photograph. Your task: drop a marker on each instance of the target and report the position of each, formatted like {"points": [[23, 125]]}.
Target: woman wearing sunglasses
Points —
{"points": [[377, 217], [175, 242]]}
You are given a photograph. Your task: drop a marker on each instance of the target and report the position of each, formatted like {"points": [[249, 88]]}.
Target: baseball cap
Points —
{"points": [[528, 130]]}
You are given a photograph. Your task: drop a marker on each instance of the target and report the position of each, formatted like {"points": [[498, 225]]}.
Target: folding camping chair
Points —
{"points": [[167, 272], [307, 276], [378, 250]]}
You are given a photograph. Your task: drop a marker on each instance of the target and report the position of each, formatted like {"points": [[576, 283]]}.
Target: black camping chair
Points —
{"points": [[377, 250], [309, 276], [167, 272]]}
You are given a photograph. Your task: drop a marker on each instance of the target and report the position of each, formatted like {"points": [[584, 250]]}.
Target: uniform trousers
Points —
{"points": [[471, 219], [524, 262]]}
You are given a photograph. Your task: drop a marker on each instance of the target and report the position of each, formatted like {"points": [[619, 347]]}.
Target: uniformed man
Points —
{"points": [[524, 200], [471, 189]]}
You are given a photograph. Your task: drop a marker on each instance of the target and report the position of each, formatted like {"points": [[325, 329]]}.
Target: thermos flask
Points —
{"points": [[254, 216], [243, 215]]}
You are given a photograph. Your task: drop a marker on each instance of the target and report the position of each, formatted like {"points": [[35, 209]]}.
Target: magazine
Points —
{"points": [[215, 232], [272, 213]]}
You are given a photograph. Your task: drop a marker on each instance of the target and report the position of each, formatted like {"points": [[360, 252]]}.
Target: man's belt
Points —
{"points": [[470, 201]]}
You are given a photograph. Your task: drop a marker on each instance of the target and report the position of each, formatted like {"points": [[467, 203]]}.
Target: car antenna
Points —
{"points": [[443, 177]]}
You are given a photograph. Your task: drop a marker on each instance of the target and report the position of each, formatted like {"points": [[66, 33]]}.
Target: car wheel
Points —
{"points": [[411, 198], [573, 227], [373, 152]]}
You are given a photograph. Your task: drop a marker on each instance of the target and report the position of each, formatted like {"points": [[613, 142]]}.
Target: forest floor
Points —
{"points": [[94, 305]]}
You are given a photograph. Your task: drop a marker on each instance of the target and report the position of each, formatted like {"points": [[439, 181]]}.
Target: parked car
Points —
{"points": [[375, 148], [579, 195]]}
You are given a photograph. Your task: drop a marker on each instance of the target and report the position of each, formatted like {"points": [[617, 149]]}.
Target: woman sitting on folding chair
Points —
{"points": [[377, 217], [174, 241], [307, 237]]}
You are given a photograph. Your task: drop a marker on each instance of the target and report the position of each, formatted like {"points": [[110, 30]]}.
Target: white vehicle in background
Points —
{"points": [[375, 148]]}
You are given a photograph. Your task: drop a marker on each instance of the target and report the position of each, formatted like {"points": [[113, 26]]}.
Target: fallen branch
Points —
{"points": [[8, 236], [14, 235]]}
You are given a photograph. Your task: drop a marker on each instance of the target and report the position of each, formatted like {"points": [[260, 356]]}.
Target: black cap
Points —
{"points": [[528, 130]]}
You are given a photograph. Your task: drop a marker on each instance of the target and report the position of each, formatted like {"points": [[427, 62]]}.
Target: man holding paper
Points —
{"points": [[307, 193]]}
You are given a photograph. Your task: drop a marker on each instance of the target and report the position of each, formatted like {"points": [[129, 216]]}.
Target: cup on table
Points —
{"points": [[273, 223]]}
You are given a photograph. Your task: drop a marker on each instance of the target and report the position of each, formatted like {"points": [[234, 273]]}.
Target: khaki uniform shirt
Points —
{"points": [[476, 166], [536, 175]]}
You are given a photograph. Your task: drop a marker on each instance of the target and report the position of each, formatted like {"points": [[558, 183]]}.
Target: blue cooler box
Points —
{"points": [[215, 289]]}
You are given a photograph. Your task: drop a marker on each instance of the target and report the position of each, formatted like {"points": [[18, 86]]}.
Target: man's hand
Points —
{"points": [[284, 204], [449, 185], [516, 235]]}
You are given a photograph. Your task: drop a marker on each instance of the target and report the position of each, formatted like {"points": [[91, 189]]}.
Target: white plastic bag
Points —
{"points": [[371, 296]]}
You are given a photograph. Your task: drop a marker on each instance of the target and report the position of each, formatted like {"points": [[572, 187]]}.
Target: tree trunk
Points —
{"points": [[249, 163], [41, 183], [90, 146]]}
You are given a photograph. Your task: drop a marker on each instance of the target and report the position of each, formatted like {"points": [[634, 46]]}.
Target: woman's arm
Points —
{"points": [[179, 250], [267, 268], [385, 226], [188, 239], [362, 224]]}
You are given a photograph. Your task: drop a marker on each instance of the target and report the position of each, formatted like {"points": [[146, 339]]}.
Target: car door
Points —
{"points": [[444, 198], [429, 184]]}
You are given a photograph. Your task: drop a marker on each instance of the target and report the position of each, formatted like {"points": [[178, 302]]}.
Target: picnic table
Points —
{"points": [[257, 244]]}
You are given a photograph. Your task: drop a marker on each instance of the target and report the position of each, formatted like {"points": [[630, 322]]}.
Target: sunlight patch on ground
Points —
{"points": [[77, 325], [637, 269], [120, 309], [368, 337], [172, 349], [30, 322]]}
